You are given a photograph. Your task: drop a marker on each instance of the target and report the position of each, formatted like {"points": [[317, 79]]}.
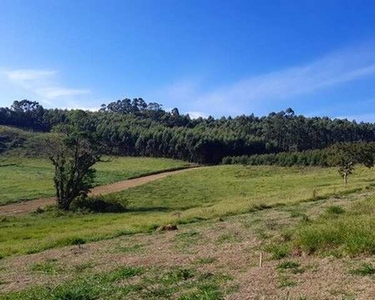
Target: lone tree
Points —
{"points": [[73, 151], [346, 168], [346, 155]]}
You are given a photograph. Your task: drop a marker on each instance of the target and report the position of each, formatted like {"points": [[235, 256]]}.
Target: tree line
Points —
{"points": [[357, 152], [134, 127], [343, 155]]}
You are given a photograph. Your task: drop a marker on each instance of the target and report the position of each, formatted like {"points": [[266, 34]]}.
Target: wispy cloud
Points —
{"points": [[43, 84], [24, 75], [182, 90], [253, 92], [56, 92]]}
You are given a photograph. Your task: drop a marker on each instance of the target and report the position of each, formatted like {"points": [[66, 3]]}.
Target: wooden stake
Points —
{"points": [[260, 259]]}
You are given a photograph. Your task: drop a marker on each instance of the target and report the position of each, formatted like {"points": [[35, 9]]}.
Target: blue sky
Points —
{"points": [[204, 57]]}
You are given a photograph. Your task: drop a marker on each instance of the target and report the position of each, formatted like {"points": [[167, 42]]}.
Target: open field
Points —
{"points": [[26, 207], [31, 178], [187, 197], [213, 259]]}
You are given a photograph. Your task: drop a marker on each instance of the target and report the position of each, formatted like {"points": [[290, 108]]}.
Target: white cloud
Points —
{"points": [[44, 85], [182, 90], [324, 73], [56, 92], [254, 92], [78, 106], [22, 75], [197, 114]]}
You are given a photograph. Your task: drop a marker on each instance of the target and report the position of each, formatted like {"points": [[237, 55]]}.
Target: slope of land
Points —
{"points": [[208, 260], [25, 178], [199, 194], [32, 205]]}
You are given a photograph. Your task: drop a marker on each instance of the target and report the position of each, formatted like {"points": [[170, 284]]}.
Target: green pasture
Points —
{"points": [[203, 193], [31, 178]]}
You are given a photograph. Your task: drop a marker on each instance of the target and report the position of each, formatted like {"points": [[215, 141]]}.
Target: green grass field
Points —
{"points": [[340, 232], [187, 197], [31, 178]]}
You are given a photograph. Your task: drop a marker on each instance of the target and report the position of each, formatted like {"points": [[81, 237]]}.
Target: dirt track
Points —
{"points": [[32, 205]]}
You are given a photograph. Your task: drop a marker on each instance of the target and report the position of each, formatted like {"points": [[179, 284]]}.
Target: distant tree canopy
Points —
{"points": [[337, 155], [134, 127]]}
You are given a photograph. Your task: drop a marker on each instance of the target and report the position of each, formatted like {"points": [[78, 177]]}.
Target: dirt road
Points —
{"points": [[32, 205]]}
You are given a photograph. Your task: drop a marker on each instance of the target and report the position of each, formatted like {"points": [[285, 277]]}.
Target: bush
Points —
{"points": [[110, 203]]}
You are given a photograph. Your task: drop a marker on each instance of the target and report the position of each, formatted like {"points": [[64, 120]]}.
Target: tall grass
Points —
{"points": [[344, 233]]}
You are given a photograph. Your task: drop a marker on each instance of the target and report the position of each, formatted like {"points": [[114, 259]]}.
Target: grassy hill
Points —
{"points": [[30, 178], [318, 249], [199, 194], [18, 142], [27, 174]]}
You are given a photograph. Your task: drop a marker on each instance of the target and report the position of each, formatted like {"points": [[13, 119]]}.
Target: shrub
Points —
{"points": [[110, 203]]}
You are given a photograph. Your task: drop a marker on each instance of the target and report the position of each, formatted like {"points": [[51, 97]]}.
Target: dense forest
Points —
{"points": [[134, 127]]}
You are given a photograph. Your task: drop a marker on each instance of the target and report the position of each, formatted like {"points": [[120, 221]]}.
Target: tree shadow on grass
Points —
{"points": [[149, 209]]}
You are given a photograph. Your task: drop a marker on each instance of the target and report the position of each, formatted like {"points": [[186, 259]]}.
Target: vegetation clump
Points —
{"points": [[365, 270], [278, 251], [109, 204]]}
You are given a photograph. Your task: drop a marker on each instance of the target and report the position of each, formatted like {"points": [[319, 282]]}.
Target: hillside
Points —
{"points": [[133, 127], [304, 256], [200, 194], [27, 178], [269, 215], [17, 140]]}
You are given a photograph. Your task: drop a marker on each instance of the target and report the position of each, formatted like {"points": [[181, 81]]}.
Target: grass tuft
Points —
{"points": [[48, 267], [365, 270], [77, 241], [335, 210], [288, 264], [278, 251], [206, 260]]}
